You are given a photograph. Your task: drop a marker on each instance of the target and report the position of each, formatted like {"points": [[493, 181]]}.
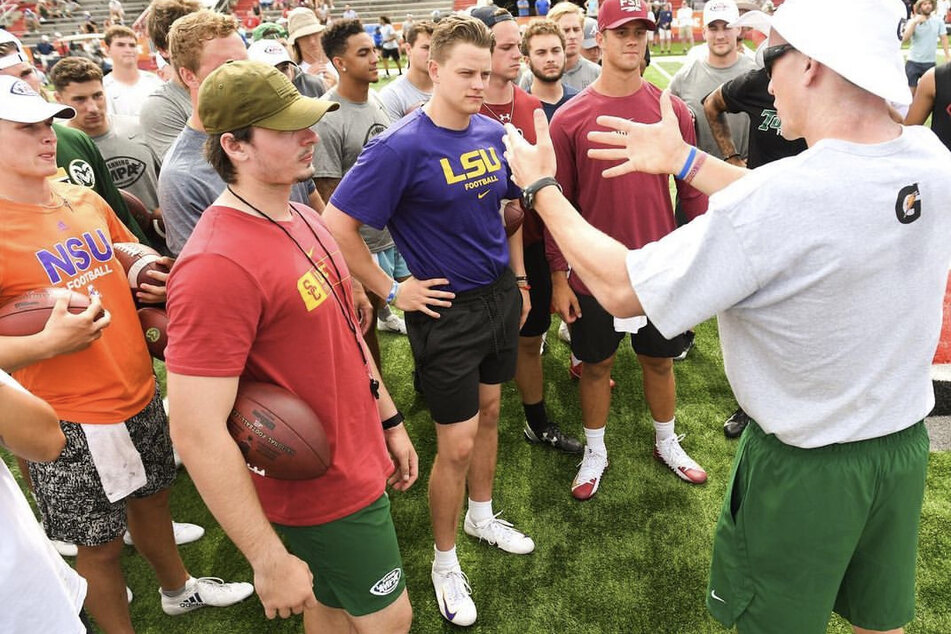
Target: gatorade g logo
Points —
{"points": [[474, 164], [908, 205], [80, 172]]}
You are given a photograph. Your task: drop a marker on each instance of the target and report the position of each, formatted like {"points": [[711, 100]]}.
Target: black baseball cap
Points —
{"points": [[491, 15]]}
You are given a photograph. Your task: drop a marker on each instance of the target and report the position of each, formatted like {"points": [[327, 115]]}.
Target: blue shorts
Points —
{"points": [[914, 71], [392, 263]]}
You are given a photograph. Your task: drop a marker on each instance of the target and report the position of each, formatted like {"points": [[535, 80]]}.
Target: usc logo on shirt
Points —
{"points": [[474, 164]]}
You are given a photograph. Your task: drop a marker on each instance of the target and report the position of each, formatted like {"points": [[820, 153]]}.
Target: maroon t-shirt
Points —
{"points": [[520, 113], [634, 209], [244, 301]]}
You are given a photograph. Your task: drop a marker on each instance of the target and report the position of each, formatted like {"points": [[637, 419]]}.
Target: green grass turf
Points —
{"points": [[633, 559]]}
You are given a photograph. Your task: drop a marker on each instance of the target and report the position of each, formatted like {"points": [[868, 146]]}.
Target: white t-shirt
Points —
{"points": [[38, 591], [127, 100], [684, 17], [828, 292], [390, 40]]}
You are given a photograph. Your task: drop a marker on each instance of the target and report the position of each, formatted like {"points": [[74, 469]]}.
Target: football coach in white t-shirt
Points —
{"points": [[804, 261]]}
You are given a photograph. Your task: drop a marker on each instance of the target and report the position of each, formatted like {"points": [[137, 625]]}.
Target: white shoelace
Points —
{"points": [[592, 466], [674, 455], [456, 586], [499, 531]]}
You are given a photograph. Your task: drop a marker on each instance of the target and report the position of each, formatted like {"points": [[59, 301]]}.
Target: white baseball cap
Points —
{"points": [[14, 57], [725, 10], [21, 104], [868, 53], [270, 52]]}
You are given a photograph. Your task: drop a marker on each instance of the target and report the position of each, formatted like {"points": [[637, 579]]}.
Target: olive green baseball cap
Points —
{"points": [[244, 93]]}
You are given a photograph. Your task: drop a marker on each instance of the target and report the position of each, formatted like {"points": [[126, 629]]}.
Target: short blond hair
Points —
{"points": [[541, 27], [564, 8], [114, 32], [189, 33], [458, 29]]}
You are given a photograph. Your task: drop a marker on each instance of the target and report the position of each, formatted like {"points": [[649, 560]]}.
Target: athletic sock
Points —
{"points": [[480, 511], [536, 417], [594, 438], [171, 594], [445, 560], [663, 431]]}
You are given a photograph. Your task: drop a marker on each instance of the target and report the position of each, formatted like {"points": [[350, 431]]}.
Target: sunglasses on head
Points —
{"points": [[773, 53]]}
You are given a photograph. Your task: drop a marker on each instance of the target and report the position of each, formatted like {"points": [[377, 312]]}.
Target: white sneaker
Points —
{"points": [[672, 454], [65, 549], [205, 591], [393, 323], [541, 348], [184, 534], [591, 468], [499, 533], [177, 458], [563, 333], [128, 593], [453, 596]]}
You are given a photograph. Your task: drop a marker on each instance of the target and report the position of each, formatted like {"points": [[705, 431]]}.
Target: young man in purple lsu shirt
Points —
{"points": [[437, 180]]}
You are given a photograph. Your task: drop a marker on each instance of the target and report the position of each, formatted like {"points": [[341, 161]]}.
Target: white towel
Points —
{"points": [[116, 459], [629, 324]]}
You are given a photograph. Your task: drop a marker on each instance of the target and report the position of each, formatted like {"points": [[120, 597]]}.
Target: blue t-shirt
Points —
{"points": [[439, 192], [924, 41], [542, 6], [664, 19]]}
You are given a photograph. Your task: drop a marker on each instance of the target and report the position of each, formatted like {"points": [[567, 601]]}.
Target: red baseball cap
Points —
{"points": [[615, 13]]}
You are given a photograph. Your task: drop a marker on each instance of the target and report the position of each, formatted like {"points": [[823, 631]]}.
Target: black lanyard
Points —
{"points": [[351, 325]]}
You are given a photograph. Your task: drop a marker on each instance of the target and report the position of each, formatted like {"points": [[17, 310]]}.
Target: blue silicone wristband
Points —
{"points": [[393, 290], [686, 168]]}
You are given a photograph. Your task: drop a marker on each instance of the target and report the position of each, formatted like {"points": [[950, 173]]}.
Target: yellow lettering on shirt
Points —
{"points": [[311, 290], [474, 164]]}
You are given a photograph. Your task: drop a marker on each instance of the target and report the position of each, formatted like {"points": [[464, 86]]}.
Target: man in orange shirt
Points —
{"points": [[94, 369]]}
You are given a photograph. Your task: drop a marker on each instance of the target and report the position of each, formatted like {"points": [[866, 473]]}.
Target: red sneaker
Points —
{"points": [[591, 468]]}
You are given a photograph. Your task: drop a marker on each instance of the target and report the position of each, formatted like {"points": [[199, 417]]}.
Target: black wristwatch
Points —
{"points": [[528, 194]]}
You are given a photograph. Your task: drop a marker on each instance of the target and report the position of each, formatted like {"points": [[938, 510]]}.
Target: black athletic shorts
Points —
{"points": [[392, 53], [474, 341], [594, 339], [539, 278]]}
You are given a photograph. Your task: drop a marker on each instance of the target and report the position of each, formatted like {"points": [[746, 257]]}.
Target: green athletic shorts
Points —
{"points": [[355, 560], [804, 532]]}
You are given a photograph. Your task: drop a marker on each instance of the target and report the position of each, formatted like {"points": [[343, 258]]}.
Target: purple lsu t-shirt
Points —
{"points": [[439, 191]]}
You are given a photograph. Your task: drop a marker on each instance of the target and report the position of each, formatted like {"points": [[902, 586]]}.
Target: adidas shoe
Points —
{"points": [[672, 454], [553, 437], [205, 591], [453, 594], [736, 423], [591, 468], [575, 370], [392, 323], [499, 533], [184, 534]]}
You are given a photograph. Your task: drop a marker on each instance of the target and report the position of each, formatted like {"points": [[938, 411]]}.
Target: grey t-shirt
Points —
{"points": [[163, 116], [582, 75], [698, 79], [343, 134], [188, 185], [401, 97], [132, 165], [827, 272]]}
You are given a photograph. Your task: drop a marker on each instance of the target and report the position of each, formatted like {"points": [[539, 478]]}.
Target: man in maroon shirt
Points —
{"points": [[507, 103], [606, 204]]}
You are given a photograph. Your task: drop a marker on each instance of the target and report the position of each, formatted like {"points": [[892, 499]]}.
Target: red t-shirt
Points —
{"points": [[634, 209], [244, 301], [70, 246], [520, 112]]}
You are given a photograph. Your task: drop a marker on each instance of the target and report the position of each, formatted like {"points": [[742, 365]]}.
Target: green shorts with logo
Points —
{"points": [[355, 560], [804, 532]]}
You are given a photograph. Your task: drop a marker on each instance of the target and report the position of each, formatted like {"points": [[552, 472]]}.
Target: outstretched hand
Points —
{"points": [[530, 162], [653, 148]]}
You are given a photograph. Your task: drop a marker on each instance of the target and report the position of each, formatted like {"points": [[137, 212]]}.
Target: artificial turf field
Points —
{"points": [[633, 559]]}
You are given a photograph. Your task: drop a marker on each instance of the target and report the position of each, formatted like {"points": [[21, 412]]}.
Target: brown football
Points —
{"points": [[155, 328], [512, 216], [137, 260], [27, 314], [278, 434], [150, 220]]}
